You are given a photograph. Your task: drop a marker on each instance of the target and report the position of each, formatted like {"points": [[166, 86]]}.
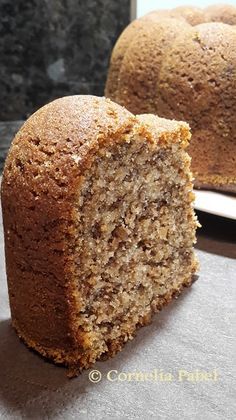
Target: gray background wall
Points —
{"points": [[51, 48]]}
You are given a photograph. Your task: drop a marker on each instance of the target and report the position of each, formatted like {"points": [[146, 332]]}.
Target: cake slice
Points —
{"points": [[99, 226]]}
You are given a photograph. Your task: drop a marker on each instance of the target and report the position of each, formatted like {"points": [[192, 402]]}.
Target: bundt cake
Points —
{"points": [[99, 226], [181, 64]]}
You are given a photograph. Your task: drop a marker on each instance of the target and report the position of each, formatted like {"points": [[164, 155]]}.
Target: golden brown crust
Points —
{"points": [[191, 14], [225, 13], [41, 180], [195, 67], [119, 52], [117, 58], [139, 71], [71, 357], [188, 14], [45, 164], [161, 128], [185, 72]]}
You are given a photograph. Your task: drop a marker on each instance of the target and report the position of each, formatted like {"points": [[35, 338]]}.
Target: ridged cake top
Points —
{"points": [[149, 38]]}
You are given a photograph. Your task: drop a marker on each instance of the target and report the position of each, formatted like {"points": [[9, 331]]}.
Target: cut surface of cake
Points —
{"points": [[99, 226], [181, 64]]}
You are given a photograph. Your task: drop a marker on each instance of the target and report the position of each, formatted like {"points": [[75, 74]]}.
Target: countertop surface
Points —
{"points": [[185, 358]]}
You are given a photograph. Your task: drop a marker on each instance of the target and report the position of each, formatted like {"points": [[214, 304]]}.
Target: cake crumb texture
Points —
{"points": [[99, 226]]}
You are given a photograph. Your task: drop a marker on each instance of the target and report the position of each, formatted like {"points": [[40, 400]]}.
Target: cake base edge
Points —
{"points": [[74, 360]]}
